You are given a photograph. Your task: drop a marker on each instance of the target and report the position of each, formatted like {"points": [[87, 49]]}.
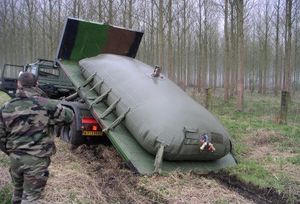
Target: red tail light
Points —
{"points": [[90, 127], [88, 120], [94, 128]]}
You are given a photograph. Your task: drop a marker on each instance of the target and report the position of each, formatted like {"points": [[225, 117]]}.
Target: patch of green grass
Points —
{"points": [[260, 113], [253, 172], [4, 160], [240, 150], [294, 160], [6, 194]]}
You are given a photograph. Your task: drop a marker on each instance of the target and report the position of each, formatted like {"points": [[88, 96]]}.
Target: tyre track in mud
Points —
{"points": [[248, 190]]}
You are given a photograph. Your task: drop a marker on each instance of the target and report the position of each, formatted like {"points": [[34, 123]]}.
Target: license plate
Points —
{"points": [[92, 133]]}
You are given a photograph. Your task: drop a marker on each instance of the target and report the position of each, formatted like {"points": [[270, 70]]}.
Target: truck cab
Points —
{"points": [[55, 85], [52, 80], [9, 76]]}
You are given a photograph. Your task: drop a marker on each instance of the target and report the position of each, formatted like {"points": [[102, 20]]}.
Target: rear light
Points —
{"points": [[90, 124], [94, 128], [88, 120]]}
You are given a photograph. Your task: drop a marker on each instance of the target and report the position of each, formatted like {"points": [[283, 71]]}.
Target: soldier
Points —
{"points": [[25, 135]]}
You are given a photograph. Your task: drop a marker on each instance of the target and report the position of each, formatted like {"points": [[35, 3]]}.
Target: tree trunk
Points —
{"points": [[205, 49], [233, 49], [110, 11], [130, 23], [226, 55], [277, 65], [199, 70], [152, 51], [44, 30], [51, 47], [240, 31], [100, 16], [124, 14], [161, 35], [30, 8], [288, 38], [170, 50], [14, 30]]}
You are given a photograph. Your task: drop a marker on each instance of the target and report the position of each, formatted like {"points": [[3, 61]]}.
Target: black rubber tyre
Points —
{"points": [[75, 135], [72, 135]]}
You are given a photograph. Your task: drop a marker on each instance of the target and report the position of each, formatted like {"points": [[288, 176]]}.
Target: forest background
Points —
{"points": [[229, 46], [234, 44]]}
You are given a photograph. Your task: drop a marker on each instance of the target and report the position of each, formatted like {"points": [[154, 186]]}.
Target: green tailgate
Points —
{"points": [[125, 144], [82, 39]]}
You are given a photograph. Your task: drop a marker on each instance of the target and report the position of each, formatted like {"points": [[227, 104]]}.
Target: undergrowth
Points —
{"points": [[261, 114], [6, 194]]}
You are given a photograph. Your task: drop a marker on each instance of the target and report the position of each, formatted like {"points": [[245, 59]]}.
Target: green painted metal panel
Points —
{"points": [[81, 39], [90, 40]]}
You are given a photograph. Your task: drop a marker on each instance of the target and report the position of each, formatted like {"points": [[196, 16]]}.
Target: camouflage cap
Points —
{"points": [[27, 79]]}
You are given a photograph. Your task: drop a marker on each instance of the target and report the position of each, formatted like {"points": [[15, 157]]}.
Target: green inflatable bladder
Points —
{"points": [[161, 114]]}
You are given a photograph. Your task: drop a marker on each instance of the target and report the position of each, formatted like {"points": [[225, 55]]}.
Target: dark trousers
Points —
{"points": [[29, 176]]}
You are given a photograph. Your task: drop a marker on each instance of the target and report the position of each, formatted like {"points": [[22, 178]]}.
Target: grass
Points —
{"points": [[253, 172], [4, 160], [295, 160], [256, 125], [6, 194]]}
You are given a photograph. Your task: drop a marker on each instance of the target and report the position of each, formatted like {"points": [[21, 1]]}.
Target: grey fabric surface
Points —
{"points": [[160, 112]]}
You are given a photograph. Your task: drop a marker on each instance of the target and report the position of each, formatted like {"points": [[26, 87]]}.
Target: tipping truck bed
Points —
{"points": [[82, 39]]}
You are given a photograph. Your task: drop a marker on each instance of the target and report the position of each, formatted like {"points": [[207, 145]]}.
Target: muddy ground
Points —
{"points": [[98, 175]]}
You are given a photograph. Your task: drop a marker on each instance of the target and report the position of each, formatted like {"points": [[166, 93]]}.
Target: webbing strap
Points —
{"points": [[159, 159], [117, 121], [100, 98], [110, 109], [88, 80], [97, 84]]}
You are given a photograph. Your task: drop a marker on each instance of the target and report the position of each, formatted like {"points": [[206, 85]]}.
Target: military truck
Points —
{"points": [[152, 123], [52, 80], [56, 85]]}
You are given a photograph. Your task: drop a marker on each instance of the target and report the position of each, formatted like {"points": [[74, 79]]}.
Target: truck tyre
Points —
{"points": [[75, 135], [72, 134]]}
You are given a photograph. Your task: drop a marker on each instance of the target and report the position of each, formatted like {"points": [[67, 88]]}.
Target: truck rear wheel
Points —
{"points": [[73, 134]]}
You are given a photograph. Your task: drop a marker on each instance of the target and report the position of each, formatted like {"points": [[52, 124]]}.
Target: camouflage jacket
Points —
{"points": [[26, 122]]}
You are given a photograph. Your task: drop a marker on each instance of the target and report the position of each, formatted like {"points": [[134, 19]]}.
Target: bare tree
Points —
{"points": [[277, 65], [199, 63], [240, 33], [4, 9], [160, 33], [30, 9], [288, 38], [170, 47], [205, 46], [226, 54], [233, 47]]}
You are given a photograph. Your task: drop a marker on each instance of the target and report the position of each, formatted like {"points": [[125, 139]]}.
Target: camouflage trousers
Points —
{"points": [[29, 176]]}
